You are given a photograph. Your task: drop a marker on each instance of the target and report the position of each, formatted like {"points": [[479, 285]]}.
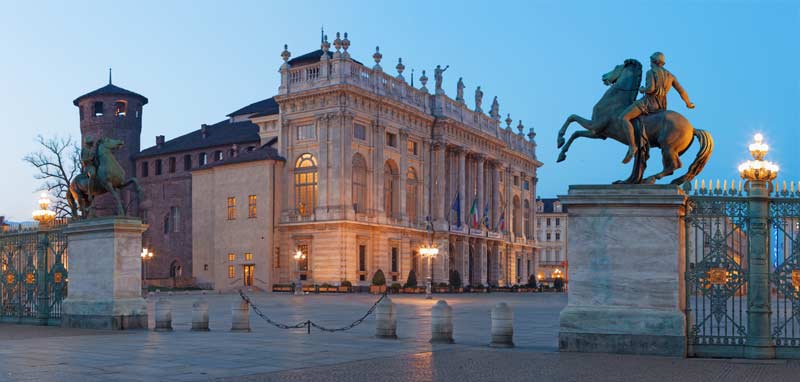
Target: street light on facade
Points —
{"points": [[429, 252], [44, 215], [146, 255], [298, 257]]}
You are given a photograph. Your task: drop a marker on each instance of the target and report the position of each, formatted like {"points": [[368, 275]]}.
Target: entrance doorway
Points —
{"points": [[247, 271]]}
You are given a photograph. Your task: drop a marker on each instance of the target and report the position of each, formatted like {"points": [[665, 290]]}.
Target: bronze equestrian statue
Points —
{"points": [[652, 127], [101, 174]]}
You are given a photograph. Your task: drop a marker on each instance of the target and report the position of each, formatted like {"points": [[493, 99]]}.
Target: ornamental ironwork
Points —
{"points": [[784, 231]]}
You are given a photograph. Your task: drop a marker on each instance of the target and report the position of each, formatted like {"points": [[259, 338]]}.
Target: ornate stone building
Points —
{"points": [[551, 234], [367, 169]]}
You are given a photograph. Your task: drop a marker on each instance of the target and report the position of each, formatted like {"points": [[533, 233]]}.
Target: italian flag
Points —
{"points": [[473, 213]]}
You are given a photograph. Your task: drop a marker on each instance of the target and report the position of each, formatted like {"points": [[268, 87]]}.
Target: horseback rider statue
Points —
{"points": [[658, 82], [644, 123], [101, 173]]}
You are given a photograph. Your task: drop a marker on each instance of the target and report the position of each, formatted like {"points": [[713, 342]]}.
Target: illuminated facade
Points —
{"points": [[551, 232]]}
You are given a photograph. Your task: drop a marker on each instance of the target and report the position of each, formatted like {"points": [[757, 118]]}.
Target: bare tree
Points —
{"points": [[58, 162]]}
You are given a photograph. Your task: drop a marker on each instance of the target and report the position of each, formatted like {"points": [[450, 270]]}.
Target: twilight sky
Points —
{"points": [[198, 61]]}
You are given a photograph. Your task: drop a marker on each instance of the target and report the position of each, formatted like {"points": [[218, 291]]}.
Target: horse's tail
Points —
{"points": [[706, 147]]}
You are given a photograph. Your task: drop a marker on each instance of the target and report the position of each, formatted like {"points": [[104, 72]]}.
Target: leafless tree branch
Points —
{"points": [[57, 163]]}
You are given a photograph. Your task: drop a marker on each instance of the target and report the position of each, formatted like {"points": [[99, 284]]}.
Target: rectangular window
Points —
{"points": [[516, 180], [158, 167], [558, 236], [231, 271], [251, 206], [362, 258], [306, 132], [98, 109], [391, 140], [217, 155], [144, 172], [558, 222], [276, 260], [394, 260], [248, 256], [549, 236], [231, 257], [302, 264], [175, 216], [548, 222], [172, 165], [360, 132], [526, 185], [187, 162], [231, 208], [202, 159], [412, 148], [119, 109]]}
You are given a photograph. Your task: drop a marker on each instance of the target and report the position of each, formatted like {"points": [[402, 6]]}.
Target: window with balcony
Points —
{"points": [[305, 184]]}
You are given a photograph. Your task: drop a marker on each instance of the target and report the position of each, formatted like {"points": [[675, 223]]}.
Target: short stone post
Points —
{"points": [[163, 316], [240, 317], [502, 326], [385, 320], [441, 323], [200, 316]]}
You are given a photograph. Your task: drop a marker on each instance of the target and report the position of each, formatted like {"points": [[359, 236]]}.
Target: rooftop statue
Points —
{"points": [[460, 90], [644, 123], [438, 77], [101, 174], [494, 111], [478, 99]]}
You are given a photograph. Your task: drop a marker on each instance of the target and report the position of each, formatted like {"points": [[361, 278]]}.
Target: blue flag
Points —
{"points": [[455, 208], [486, 216]]}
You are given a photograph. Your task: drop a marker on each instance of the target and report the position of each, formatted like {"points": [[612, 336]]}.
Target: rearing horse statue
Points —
{"points": [[109, 177], [667, 129]]}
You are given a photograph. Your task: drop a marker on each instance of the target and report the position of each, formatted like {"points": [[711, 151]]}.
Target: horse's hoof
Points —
{"points": [[628, 157], [561, 142], [561, 157]]}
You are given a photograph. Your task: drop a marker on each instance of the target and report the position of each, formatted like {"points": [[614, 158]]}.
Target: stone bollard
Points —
{"points": [[200, 316], [240, 317], [385, 320], [502, 326], [163, 316], [442, 323]]}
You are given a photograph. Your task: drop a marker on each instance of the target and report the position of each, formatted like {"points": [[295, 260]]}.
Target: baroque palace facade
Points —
{"points": [[351, 166]]}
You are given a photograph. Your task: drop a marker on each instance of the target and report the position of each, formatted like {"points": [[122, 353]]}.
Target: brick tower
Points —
{"points": [[113, 112]]}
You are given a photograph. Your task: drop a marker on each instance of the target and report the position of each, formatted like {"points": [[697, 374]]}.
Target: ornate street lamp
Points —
{"points": [[429, 252], [146, 255], [43, 215], [759, 169], [298, 257]]}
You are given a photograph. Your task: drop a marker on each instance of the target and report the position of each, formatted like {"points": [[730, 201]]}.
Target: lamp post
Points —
{"points": [[44, 216], [146, 255], [429, 252], [759, 174], [298, 257]]}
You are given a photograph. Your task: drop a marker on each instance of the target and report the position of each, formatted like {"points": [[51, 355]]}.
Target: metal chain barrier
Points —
{"points": [[308, 324]]}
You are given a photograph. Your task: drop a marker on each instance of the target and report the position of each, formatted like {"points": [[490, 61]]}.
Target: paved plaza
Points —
{"points": [[271, 354]]}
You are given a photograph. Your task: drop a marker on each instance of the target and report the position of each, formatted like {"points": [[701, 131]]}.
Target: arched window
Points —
{"points": [[527, 218], [390, 188], [305, 184], [175, 269], [359, 183], [517, 217], [411, 194], [120, 108]]}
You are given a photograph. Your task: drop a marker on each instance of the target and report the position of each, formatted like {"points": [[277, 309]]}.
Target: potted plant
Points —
{"points": [[345, 286], [455, 281], [395, 288], [411, 283], [378, 283], [327, 288], [441, 288]]}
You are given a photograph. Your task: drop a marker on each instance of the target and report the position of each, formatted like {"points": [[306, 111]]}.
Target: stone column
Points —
{"points": [[346, 141], [627, 258], [323, 166], [377, 171], [509, 202], [480, 182], [401, 179], [439, 191], [105, 274], [462, 183], [496, 207], [479, 262], [759, 307], [426, 175]]}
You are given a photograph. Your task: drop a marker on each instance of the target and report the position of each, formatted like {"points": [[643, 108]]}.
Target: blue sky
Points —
{"points": [[197, 61]]}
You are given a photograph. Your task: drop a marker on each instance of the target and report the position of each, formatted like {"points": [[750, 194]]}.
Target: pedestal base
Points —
{"points": [[626, 264], [114, 315]]}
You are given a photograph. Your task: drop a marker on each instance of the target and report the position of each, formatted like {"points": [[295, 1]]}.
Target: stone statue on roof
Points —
{"points": [[494, 112], [460, 90], [438, 77], [478, 99]]}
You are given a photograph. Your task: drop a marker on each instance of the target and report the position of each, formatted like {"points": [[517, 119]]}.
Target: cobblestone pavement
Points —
{"points": [[267, 353]]}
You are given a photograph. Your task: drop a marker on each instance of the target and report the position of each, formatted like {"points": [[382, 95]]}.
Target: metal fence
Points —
{"points": [[34, 266]]}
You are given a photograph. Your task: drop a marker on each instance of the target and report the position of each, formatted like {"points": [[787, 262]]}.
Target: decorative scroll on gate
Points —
{"points": [[33, 264], [784, 220], [716, 269]]}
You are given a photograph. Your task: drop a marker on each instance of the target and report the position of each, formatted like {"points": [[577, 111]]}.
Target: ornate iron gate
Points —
{"points": [[33, 264], [784, 221]]}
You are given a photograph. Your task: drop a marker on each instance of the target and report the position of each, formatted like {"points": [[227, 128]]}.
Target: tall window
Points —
{"points": [[362, 262], [527, 218], [175, 217], [158, 166], [98, 109], [305, 184], [360, 132], [391, 139], [187, 162], [276, 259], [517, 217], [231, 271], [248, 256], [395, 261], [306, 132], [558, 236], [172, 164], [302, 265], [389, 188], [411, 194], [202, 159], [231, 208], [558, 222], [251, 207], [412, 147], [145, 170], [359, 183]]}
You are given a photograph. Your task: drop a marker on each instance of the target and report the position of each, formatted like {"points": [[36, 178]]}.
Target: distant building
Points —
{"points": [[551, 235], [3, 224]]}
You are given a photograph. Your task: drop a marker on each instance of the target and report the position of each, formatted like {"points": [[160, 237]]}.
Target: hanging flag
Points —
{"points": [[455, 208], [501, 222], [473, 213], [485, 220]]}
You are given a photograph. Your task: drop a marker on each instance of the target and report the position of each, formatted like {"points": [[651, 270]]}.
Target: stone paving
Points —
{"points": [[270, 354]]}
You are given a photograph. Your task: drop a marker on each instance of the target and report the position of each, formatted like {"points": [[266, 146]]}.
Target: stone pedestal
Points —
{"points": [[626, 263], [105, 275]]}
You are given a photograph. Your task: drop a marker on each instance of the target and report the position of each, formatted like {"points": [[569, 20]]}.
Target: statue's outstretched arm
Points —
{"points": [[679, 88]]}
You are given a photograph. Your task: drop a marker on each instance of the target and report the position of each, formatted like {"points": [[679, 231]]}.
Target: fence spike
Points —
{"points": [[696, 189]]}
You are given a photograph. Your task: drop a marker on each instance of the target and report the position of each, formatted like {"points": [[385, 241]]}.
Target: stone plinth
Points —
{"points": [[626, 263], [105, 275]]}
